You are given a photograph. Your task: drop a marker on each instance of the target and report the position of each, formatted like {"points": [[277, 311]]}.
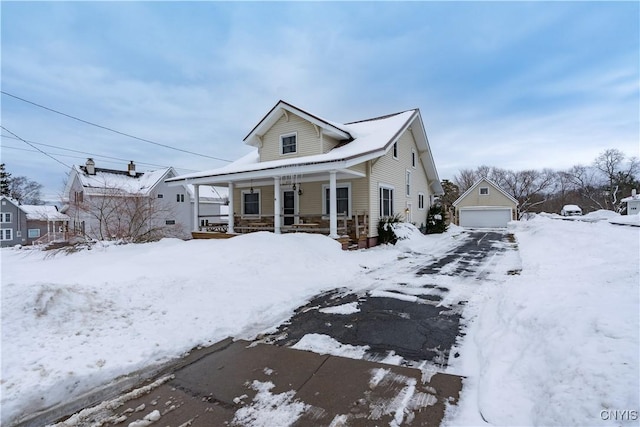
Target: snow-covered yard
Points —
{"points": [[556, 344]]}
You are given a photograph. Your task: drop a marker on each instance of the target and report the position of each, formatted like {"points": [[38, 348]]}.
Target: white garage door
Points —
{"points": [[485, 218]]}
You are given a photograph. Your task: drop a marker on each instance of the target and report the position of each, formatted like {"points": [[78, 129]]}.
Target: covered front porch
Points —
{"points": [[333, 202]]}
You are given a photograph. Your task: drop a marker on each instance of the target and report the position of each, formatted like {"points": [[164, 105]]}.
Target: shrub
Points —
{"points": [[385, 229], [436, 220]]}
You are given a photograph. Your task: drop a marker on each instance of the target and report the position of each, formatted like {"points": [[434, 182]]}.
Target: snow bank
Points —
{"points": [[71, 323], [626, 219], [557, 344]]}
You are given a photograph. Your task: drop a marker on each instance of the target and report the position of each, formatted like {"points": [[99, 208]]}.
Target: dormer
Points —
{"points": [[287, 131]]}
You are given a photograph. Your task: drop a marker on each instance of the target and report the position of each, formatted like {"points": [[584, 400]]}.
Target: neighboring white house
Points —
{"points": [[107, 203], [633, 203], [309, 173], [485, 205]]}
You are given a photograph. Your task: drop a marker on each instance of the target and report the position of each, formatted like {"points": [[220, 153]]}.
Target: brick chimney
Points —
{"points": [[132, 168], [90, 166]]}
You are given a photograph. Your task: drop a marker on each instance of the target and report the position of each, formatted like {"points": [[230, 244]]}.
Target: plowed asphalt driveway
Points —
{"points": [[408, 321]]}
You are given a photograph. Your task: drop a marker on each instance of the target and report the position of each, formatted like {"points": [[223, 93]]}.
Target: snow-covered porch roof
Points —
{"points": [[249, 170]]}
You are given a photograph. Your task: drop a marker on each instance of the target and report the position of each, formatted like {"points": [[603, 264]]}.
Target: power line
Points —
{"points": [[87, 153], [33, 146], [4, 147], [110, 129]]}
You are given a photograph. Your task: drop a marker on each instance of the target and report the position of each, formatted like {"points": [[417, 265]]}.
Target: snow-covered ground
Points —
{"points": [[556, 344]]}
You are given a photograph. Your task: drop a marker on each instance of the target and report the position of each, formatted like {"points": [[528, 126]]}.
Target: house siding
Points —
{"points": [[494, 198], [308, 142], [18, 224], [389, 171]]}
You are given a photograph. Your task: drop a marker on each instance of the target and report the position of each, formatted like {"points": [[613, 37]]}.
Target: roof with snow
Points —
{"points": [[360, 141], [43, 213], [477, 183], [631, 198], [108, 180]]}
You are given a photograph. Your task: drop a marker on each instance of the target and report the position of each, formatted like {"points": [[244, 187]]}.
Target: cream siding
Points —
{"points": [[389, 171], [494, 198], [328, 143], [266, 199], [307, 142]]}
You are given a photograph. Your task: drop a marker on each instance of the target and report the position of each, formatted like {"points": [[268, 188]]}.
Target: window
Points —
{"points": [[78, 196], [386, 201], [343, 202], [288, 143], [408, 182], [5, 217], [170, 222], [160, 195], [484, 191], [421, 201], [6, 234], [180, 198], [413, 158], [395, 150], [251, 202], [33, 233]]}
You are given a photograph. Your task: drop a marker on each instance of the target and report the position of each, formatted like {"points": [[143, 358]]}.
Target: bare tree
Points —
{"points": [[25, 191], [617, 173], [114, 214]]}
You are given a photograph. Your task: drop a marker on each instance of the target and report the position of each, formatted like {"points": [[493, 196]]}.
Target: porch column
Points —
{"points": [[231, 214], [277, 223], [333, 206], [196, 207]]}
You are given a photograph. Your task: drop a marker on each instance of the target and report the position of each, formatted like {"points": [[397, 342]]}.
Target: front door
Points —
{"points": [[289, 207]]}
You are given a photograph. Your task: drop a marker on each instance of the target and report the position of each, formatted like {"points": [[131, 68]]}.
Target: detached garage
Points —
{"points": [[485, 205]]}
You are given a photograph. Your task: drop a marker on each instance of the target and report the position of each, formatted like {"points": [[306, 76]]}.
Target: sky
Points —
{"points": [[517, 85]]}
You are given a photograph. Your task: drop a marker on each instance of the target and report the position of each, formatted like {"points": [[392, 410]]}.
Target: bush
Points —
{"points": [[436, 220], [385, 229]]}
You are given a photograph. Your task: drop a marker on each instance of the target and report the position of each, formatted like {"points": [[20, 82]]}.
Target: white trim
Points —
{"points": [[35, 235], [287, 135], [255, 191], [4, 215], [394, 150], [393, 190], [407, 183], [6, 230], [296, 203], [339, 184], [491, 183], [483, 188], [414, 158], [421, 194]]}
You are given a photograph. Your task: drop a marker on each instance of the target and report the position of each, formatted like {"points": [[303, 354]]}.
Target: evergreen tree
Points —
{"points": [[5, 179]]}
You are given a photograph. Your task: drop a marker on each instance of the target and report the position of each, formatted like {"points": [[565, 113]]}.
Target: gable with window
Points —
{"points": [[289, 143], [5, 217], [484, 191]]}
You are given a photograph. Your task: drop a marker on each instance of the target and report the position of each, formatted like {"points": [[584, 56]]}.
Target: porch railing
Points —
{"points": [[355, 226]]}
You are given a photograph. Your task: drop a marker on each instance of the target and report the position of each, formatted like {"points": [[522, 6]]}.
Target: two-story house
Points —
{"points": [[309, 173], [27, 224], [107, 203]]}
